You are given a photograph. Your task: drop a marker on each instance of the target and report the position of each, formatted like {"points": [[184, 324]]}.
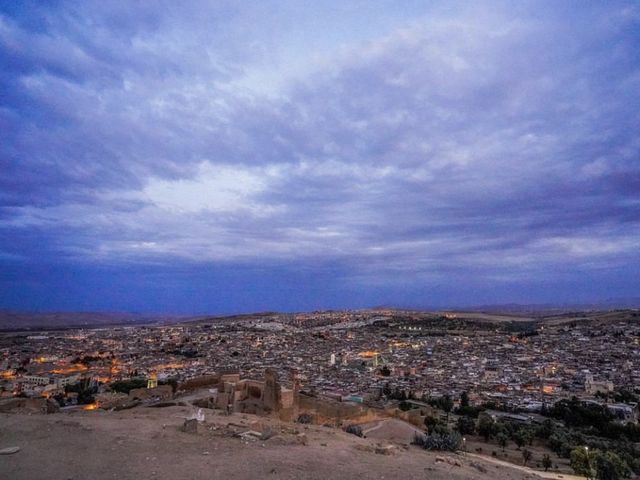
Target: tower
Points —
{"points": [[152, 381]]}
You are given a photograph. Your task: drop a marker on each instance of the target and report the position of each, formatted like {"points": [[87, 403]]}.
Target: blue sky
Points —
{"points": [[189, 157]]}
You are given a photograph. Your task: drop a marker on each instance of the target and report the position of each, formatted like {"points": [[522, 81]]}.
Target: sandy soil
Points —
{"points": [[147, 443]]}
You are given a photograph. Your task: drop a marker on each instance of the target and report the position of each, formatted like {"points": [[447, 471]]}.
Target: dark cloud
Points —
{"points": [[488, 142]]}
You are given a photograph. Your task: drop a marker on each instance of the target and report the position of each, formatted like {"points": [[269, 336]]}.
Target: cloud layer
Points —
{"points": [[467, 154]]}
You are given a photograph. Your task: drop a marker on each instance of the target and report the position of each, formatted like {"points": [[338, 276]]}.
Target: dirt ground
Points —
{"points": [[147, 443], [513, 455]]}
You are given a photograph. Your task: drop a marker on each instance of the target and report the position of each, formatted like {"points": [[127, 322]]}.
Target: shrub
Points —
{"points": [[448, 441], [354, 430], [304, 418]]}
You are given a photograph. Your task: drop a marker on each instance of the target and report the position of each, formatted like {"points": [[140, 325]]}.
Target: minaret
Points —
{"points": [[152, 381]]}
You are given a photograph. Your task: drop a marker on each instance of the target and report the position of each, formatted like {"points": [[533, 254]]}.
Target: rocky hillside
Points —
{"points": [[150, 443]]}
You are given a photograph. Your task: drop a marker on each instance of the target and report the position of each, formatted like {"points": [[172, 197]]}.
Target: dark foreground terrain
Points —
{"points": [[147, 443]]}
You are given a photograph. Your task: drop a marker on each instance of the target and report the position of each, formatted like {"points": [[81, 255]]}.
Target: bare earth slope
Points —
{"points": [[147, 443]]}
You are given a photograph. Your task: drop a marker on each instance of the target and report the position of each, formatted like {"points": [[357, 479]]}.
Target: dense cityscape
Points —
{"points": [[343, 355]]}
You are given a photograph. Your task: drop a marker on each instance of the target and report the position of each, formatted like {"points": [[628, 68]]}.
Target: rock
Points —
{"points": [[385, 450], [479, 467], [9, 450], [267, 433], [440, 459], [190, 426], [302, 439]]}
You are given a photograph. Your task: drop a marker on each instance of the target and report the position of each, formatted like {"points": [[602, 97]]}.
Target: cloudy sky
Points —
{"points": [[220, 156]]}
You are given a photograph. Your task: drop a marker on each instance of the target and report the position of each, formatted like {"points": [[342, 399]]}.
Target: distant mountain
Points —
{"points": [[10, 320], [529, 308], [608, 304]]}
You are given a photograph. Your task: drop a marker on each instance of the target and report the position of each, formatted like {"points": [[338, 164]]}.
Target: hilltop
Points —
{"points": [[147, 443]]}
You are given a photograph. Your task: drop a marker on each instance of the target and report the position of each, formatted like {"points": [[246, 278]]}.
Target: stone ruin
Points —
{"points": [[266, 397]]}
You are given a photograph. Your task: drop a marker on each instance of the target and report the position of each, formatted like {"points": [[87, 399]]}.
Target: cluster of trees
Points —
{"points": [[593, 419], [503, 432], [85, 392], [599, 465], [125, 386], [444, 403], [396, 393], [564, 441], [466, 409], [572, 425], [615, 457]]}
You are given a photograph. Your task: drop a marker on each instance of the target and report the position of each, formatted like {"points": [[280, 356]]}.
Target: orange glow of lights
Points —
{"points": [[91, 406], [368, 354], [78, 367], [169, 366]]}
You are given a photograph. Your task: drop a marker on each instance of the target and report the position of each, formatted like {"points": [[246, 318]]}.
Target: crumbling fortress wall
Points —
{"points": [[162, 392], [28, 405], [202, 381], [259, 397], [324, 411]]}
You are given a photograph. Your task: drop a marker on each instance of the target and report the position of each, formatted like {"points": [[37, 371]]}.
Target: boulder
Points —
{"points": [[190, 425]]}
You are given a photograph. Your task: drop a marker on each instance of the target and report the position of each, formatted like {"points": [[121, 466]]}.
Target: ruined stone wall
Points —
{"points": [[271, 392], [111, 400], [414, 416], [223, 400], [28, 405], [230, 378], [286, 398], [252, 388], [288, 410], [199, 382], [329, 411], [163, 392]]}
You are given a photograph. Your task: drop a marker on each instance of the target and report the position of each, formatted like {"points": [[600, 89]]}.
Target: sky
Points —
{"points": [[239, 156]]}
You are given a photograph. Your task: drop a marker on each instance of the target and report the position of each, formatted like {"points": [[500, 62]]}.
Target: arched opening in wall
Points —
{"points": [[254, 392]]}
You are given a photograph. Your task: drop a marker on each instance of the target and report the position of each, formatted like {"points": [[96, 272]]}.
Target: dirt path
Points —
{"points": [[543, 474], [376, 427]]}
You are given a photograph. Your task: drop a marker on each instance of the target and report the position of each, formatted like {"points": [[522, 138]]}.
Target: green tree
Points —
{"points": [[446, 404], [519, 439], [526, 456], [486, 427], [466, 425], [464, 400], [502, 440], [546, 462], [545, 430], [581, 463], [430, 423], [609, 466]]}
